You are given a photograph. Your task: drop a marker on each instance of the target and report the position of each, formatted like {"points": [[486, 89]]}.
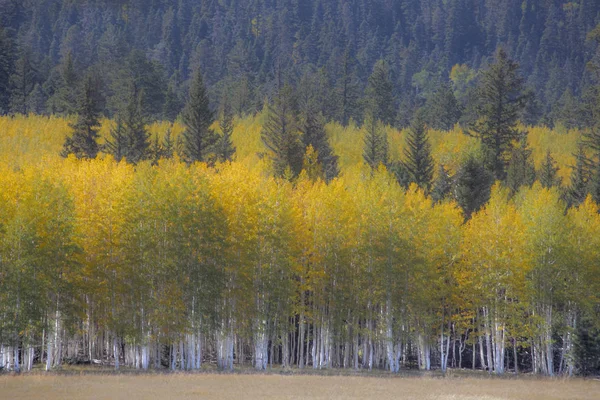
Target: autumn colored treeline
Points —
{"points": [[173, 266]]}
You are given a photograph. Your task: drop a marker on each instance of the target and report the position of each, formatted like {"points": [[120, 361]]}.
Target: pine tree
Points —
{"points": [[442, 187], [168, 145], [156, 150], [417, 153], [84, 141], [129, 139], [281, 137], [313, 130], [520, 171], [198, 137], [443, 110], [501, 100], [64, 100], [375, 150], [225, 149], [6, 70], [22, 83], [548, 173], [117, 144], [472, 186], [580, 177], [380, 94], [172, 106], [347, 91]]}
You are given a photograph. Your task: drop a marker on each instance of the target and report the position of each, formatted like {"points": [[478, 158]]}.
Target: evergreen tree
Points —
{"points": [[64, 99], [375, 150], [281, 137], [520, 171], [117, 144], [84, 141], [417, 153], [172, 106], [472, 186], [347, 91], [168, 146], [156, 150], [401, 174], [134, 128], [225, 149], [198, 137], [578, 189], [380, 96], [501, 100], [443, 109], [548, 173], [22, 83], [442, 186], [313, 130], [6, 70]]}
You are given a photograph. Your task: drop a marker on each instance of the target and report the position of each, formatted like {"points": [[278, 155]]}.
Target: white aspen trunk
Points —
{"points": [[488, 339], [321, 347], [443, 352], [261, 346], [355, 347], [548, 340], [301, 343], [568, 343], [16, 361], [198, 351], [30, 355], [315, 345], [57, 341], [393, 353], [285, 350], [3, 357], [116, 352], [49, 355], [424, 350], [9, 358]]}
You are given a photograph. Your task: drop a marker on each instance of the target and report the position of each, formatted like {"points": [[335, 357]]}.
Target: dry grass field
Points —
{"points": [[264, 387]]}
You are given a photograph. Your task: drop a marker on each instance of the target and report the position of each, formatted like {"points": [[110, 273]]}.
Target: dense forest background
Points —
{"points": [[248, 49]]}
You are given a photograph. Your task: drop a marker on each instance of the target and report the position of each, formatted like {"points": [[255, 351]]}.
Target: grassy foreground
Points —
{"points": [[263, 387]]}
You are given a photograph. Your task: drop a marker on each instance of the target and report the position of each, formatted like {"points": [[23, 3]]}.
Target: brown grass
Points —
{"points": [[263, 387]]}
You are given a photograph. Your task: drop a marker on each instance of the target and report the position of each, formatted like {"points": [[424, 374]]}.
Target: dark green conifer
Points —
{"points": [[198, 137], [442, 186], [117, 144], [313, 130], [380, 94], [520, 171], [225, 149], [548, 173], [84, 141], [443, 109], [417, 153], [375, 150], [580, 177], [472, 186], [281, 136], [6, 69], [501, 99]]}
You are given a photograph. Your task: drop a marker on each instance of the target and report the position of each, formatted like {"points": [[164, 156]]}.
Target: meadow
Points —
{"points": [[264, 387]]}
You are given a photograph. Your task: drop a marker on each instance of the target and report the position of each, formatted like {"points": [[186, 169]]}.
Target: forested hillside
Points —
{"points": [[248, 49], [363, 184]]}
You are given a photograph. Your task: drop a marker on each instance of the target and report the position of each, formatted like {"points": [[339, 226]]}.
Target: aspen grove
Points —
{"points": [[173, 266]]}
